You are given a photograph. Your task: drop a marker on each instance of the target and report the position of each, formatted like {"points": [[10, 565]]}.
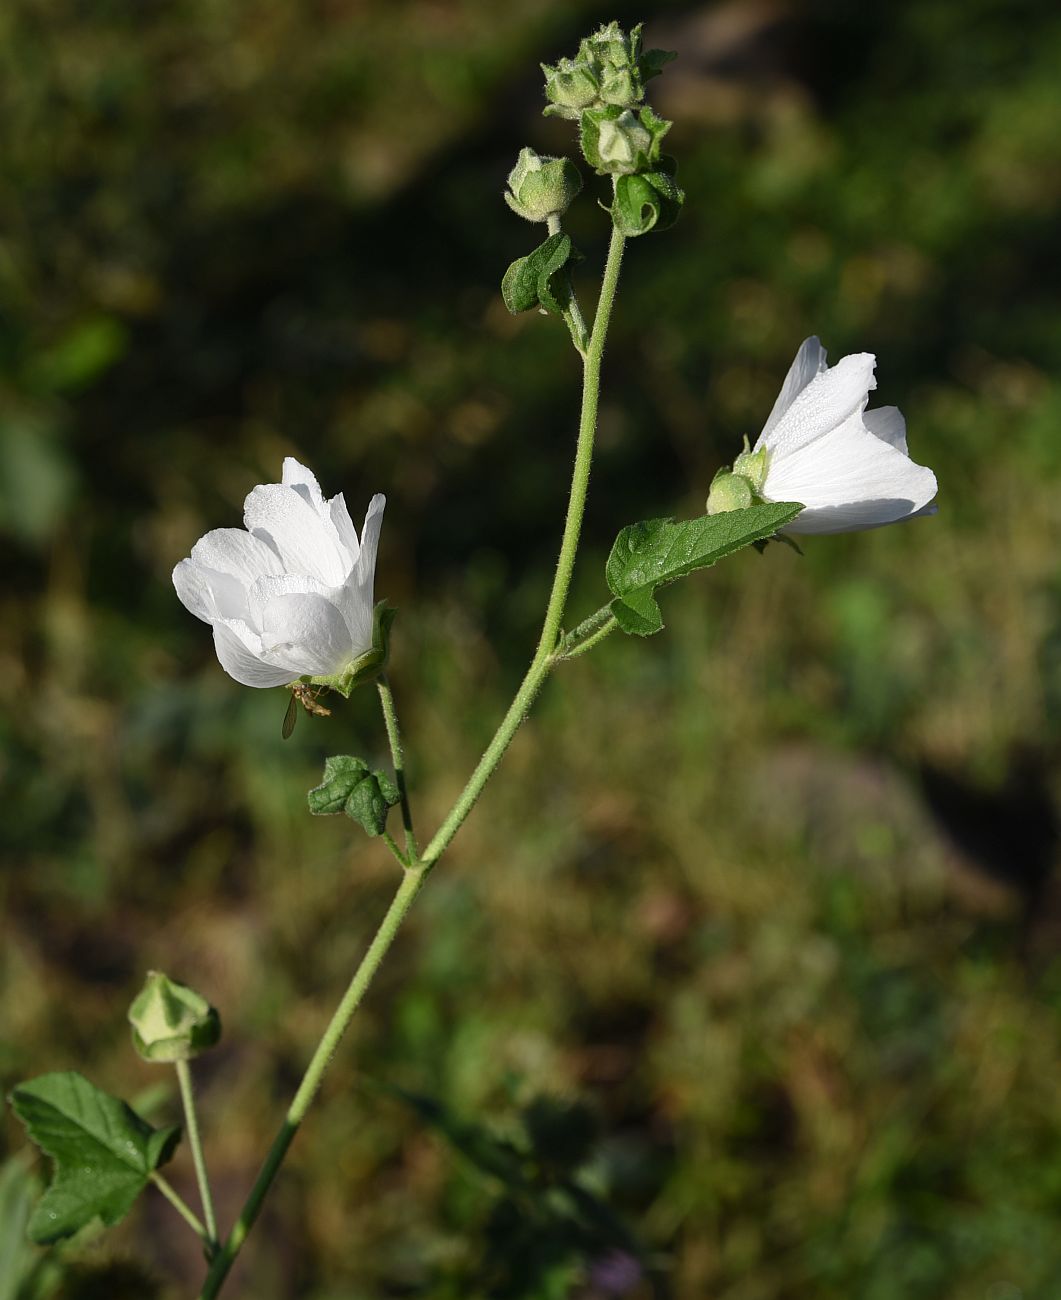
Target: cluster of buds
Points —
{"points": [[603, 90], [609, 71]]}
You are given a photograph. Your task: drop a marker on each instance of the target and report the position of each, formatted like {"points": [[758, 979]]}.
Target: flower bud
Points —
{"points": [[570, 87], [751, 465], [170, 1021], [540, 188], [729, 492]]}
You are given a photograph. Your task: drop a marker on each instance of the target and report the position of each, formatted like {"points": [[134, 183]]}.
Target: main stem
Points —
{"points": [[412, 882], [413, 879], [542, 661]]}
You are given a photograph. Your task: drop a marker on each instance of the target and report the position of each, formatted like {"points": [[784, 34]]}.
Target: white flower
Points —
{"points": [[850, 467], [292, 595]]}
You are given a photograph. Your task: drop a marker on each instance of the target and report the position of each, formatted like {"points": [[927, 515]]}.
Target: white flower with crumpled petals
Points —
{"points": [[848, 466], [290, 594]]}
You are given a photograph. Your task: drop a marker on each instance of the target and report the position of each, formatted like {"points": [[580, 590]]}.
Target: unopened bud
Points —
{"points": [[170, 1021], [752, 465], [540, 188], [570, 87], [729, 492]]}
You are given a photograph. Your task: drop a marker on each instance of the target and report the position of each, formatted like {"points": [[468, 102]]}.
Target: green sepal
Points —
{"points": [[366, 667], [617, 141], [651, 201], [652, 554], [532, 281], [652, 62], [350, 787], [103, 1152]]}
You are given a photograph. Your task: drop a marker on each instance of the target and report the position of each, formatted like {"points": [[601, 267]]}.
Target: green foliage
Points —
{"points": [[104, 1153], [652, 554], [650, 201], [350, 787], [823, 1043], [537, 280], [546, 1217]]}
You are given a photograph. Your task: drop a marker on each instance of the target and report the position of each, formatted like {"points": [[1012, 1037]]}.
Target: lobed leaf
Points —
{"points": [[529, 281], [350, 787], [103, 1152], [651, 554]]}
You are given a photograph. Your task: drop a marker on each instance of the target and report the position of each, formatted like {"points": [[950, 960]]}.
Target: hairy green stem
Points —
{"points": [[590, 632], [412, 883], [414, 877], [191, 1118], [394, 736], [183, 1209], [543, 657]]}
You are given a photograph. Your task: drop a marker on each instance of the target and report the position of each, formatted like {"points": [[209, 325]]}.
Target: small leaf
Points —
{"points": [[350, 787], [652, 554], [652, 201], [528, 282], [103, 1151]]}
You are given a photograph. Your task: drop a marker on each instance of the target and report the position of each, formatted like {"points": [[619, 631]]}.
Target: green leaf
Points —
{"points": [[651, 201], [350, 787], [651, 554], [103, 1152], [529, 281]]}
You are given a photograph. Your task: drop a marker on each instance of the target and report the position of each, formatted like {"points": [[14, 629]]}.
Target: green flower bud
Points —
{"points": [[570, 87], [751, 465], [170, 1021], [729, 492], [609, 69], [540, 188], [617, 142]]}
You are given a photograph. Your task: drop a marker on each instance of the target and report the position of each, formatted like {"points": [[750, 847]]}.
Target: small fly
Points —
{"points": [[309, 698]]}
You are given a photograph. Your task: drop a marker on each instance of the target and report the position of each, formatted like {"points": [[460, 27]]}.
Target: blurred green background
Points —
{"points": [[743, 981]]}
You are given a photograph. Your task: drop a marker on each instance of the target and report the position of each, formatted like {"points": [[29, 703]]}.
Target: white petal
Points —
{"points": [[344, 527], [208, 594], [357, 598], [849, 479], [235, 551], [810, 362], [241, 663], [826, 402], [305, 633], [304, 481], [305, 542], [887, 422]]}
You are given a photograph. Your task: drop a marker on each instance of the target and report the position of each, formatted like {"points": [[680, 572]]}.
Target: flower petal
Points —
{"points": [[304, 481], [810, 362], [887, 422], [357, 599], [235, 551], [305, 542], [305, 633], [208, 594], [344, 527], [849, 479], [241, 663], [826, 402]]}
